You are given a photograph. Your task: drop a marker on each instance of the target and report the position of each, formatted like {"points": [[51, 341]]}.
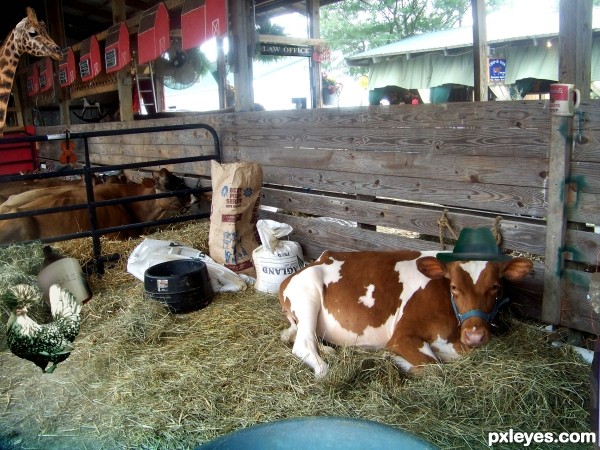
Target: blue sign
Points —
{"points": [[497, 69]]}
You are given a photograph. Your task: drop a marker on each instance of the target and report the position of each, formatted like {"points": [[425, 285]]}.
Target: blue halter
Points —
{"points": [[477, 312]]}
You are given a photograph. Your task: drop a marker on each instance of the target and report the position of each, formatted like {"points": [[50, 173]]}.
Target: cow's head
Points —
{"points": [[165, 181], [475, 290]]}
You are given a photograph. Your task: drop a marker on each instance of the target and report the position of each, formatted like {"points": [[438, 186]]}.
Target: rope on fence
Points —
{"points": [[444, 223], [496, 230]]}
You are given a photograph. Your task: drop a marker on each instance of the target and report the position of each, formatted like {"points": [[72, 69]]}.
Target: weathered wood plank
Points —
{"points": [[585, 176], [466, 116], [514, 200], [557, 218], [577, 310], [457, 168], [517, 235], [317, 235], [583, 207]]}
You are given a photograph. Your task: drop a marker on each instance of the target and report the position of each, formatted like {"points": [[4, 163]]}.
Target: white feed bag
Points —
{"points": [[154, 251], [275, 259]]}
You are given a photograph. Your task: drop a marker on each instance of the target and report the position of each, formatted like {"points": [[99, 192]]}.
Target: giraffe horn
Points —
{"points": [[31, 14]]}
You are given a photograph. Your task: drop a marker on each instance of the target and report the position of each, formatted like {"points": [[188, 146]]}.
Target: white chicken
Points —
{"points": [[48, 343]]}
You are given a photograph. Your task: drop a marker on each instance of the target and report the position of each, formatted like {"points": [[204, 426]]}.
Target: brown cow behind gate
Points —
{"points": [[67, 222]]}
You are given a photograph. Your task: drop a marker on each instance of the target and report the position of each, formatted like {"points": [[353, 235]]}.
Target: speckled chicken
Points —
{"points": [[48, 343]]}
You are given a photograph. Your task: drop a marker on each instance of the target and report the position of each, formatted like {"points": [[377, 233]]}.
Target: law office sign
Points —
{"points": [[286, 50], [497, 69]]}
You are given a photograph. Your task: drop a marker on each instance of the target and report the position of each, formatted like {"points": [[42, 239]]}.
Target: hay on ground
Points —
{"points": [[141, 377]]}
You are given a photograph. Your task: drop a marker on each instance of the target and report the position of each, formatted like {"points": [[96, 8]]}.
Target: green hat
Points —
{"points": [[474, 244]]}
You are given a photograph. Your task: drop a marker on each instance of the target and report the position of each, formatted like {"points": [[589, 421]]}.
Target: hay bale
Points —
{"points": [[141, 377]]}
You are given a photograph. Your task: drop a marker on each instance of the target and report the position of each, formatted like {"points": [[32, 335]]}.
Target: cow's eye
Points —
{"points": [[453, 288]]}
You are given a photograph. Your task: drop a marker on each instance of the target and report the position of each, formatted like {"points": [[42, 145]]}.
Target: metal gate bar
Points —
{"points": [[95, 232]]}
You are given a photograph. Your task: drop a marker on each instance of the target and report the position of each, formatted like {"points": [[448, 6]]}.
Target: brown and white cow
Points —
{"points": [[421, 309], [73, 221]]}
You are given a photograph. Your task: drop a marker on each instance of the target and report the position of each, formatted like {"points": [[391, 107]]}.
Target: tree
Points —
{"points": [[354, 26]]}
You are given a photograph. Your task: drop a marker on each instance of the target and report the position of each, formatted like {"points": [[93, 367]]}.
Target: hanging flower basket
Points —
{"points": [[330, 89], [328, 97]]}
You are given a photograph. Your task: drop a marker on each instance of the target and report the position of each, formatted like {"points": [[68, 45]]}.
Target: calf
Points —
{"points": [[67, 222], [422, 306]]}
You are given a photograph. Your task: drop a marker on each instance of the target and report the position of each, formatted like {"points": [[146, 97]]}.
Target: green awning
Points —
{"points": [[434, 69]]}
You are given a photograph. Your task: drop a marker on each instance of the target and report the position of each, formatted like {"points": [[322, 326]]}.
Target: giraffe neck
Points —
{"points": [[9, 59]]}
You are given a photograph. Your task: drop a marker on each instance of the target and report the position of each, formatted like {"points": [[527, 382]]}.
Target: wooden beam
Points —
{"points": [[575, 44], [243, 49], [57, 33], [480, 60], [314, 17], [124, 80], [574, 27], [289, 40], [556, 218]]}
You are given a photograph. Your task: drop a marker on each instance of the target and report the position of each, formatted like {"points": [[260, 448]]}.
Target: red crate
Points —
{"points": [[18, 157]]}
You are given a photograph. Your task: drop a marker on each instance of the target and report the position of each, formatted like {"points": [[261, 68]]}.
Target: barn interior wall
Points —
{"points": [[384, 177]]}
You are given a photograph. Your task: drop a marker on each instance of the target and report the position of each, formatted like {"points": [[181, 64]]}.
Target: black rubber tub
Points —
{"points": [[182, 285]]}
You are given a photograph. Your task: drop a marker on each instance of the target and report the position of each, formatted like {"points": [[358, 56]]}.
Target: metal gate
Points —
{"points": [[87, 171]]}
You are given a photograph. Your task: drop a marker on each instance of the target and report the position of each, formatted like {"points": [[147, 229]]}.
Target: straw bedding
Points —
{"points": [[141, 377]]}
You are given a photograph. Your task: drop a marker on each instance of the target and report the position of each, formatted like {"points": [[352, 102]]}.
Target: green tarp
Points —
{"points": [[435, 69]]}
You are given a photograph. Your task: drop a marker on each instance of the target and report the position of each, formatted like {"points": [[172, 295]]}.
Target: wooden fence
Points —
{"points": [[382, 177]]}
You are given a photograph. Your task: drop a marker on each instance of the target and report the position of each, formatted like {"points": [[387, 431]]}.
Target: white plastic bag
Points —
{"points": [[275, 259], [154, 251]]}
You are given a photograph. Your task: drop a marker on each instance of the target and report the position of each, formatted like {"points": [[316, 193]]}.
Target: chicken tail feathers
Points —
{"points": [[63, 304]]}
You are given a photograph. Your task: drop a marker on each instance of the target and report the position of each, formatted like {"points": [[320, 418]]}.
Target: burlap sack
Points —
{"points": [[236, 192]]}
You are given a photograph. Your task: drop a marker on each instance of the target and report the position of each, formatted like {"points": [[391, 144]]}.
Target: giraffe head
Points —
{"points": [[31, 37]]}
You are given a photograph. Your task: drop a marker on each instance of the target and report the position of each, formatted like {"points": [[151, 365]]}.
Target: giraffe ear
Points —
{"points": [[31, 14]]}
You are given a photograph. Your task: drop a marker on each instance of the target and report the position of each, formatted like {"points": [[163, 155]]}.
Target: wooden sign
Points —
{"points": [[153, 34], [202, 20], [33, 86], [90, 62], [286, 50], [216, 18], [46, 75], [116, 52], [66, 68], [193, 24]]}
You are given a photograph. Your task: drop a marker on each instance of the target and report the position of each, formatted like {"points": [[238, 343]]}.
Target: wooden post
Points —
{"points": [[221, 73], [556, 218], [242, 50], [574, 28], [480, 59], [124, 80], [575, 44], [315, 72], [57, 33]]}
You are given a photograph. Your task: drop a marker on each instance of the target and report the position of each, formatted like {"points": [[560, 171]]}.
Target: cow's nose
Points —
{"points": [[474, 337]]}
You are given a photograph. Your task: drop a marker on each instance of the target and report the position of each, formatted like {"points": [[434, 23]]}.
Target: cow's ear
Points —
{"points": [[431, 267], [161, 177], [148, 183], [517, 268]]}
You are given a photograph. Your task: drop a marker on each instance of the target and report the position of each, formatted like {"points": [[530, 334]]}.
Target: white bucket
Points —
{"points": [[67, 273]]}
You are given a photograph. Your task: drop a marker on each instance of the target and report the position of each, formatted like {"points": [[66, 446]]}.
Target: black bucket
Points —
{"points": [[183, 285]]}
